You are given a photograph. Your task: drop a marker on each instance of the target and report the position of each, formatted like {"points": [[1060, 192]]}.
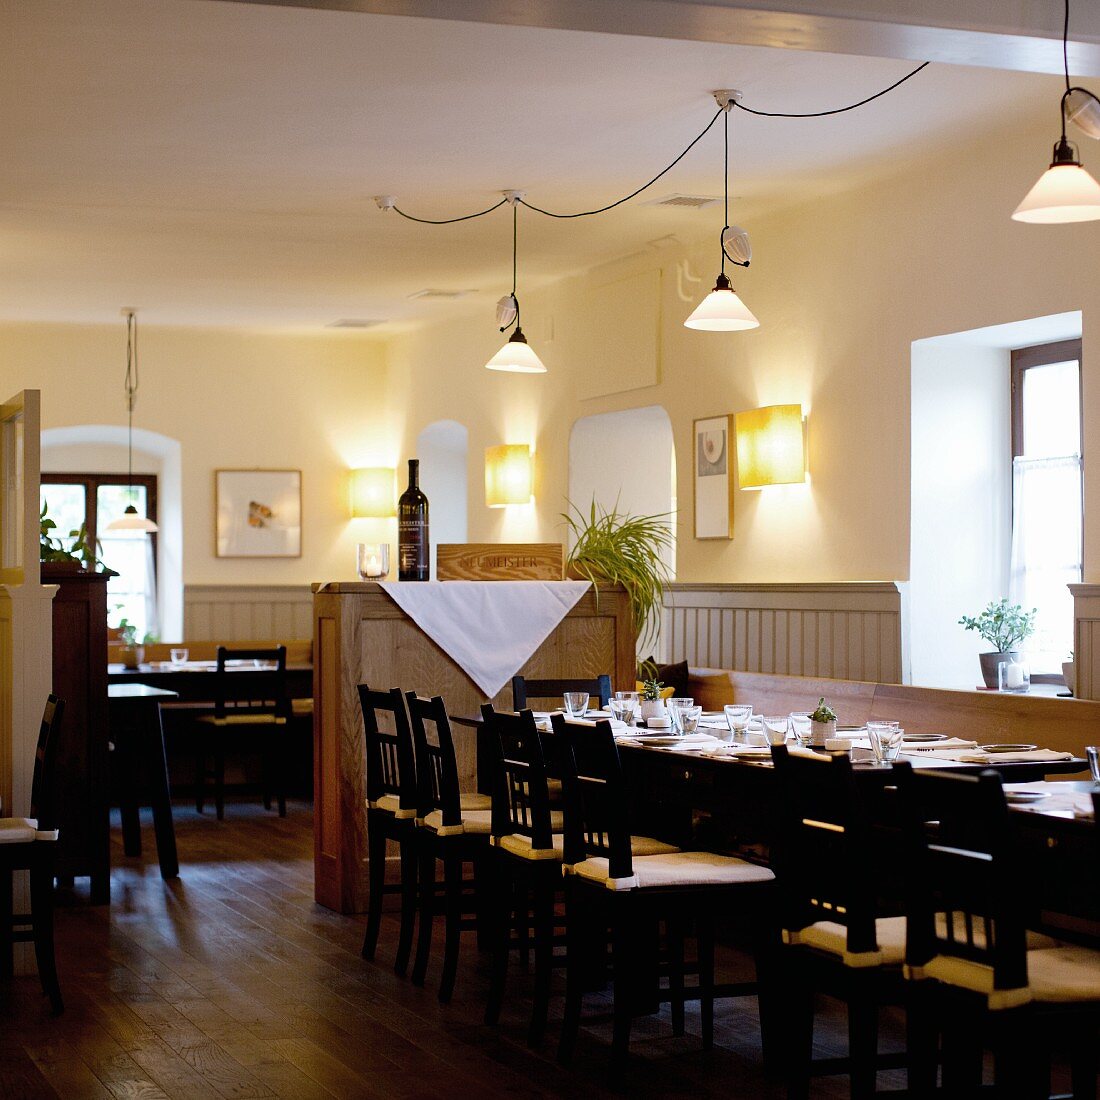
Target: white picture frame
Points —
{"points": [[258, 513], [712, 485]]}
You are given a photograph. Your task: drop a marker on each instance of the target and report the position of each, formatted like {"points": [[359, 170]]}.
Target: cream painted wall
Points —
{"points": [[842, 289], [232, 399]]}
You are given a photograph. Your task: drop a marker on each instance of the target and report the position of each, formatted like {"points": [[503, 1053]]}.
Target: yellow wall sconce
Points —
{"points": [[771, 447], [508, 475], [372, 493]]}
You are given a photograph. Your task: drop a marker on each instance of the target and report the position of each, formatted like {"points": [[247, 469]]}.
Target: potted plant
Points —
{"points": [[822, 723], [651, 704], [130, 649], [1004, 626], [616, 548], [58, 558]]}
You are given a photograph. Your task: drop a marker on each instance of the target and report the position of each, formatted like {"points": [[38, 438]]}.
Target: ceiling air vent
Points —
{"points": [[685, 202], [353, 322], [434, 294]]}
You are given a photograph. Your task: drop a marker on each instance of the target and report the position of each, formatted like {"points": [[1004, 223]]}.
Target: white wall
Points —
{"points": [[961, 503], [441, 448]]}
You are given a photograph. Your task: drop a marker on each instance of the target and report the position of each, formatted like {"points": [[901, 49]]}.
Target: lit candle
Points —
{"points": [[374, 566], [373, 560]]}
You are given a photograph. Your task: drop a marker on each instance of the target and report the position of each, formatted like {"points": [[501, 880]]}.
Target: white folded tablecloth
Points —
{"points": [[490, 629]]}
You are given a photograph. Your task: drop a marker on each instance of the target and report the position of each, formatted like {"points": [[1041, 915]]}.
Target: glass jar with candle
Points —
{"points": [[1013, 676], [372, 561]]}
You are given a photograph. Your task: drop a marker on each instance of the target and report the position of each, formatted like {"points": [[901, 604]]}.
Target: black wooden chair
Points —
{"points": [[391, 814], [613, 891], [452, 828], [829, 861], [523, 690], [527, 840], [978, 975], [247, 700], [28, 844]]}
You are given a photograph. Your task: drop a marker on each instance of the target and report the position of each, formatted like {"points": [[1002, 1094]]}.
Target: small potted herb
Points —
{"points": [[822, 723], [1004, 626], [130, 649], [652, 705]]}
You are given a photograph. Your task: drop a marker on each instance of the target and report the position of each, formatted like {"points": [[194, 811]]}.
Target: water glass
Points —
{"points": [[179, 656], [686, 719], [1093, 753], [885, 740], [775, 728], [576, 704], [800, 726], [738, 716], [632, 696], [623, 709]]}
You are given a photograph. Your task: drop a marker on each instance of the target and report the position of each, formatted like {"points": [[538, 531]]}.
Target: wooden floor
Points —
{"points": [[231, 982]]}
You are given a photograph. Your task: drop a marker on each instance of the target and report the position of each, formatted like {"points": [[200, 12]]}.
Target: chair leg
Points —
{"points": [[962, 1054], [282, 755], [452, 879], [921, 1039], [7, 943], [200, 774], [800, 1029], [1083, 1062], [265, 772], [674, 936], [376, 872], [41, 883], [862, 1044], [766, 957], [426, 914], [500, 927], [408, 902], [574, 974], [620, 997], [219, 780], [706, 978], [544, 953]]}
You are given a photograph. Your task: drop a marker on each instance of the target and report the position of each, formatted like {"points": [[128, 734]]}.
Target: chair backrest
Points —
{"points": [[391, 763], [597, 820], [434, 752], [523, 690], [242, 686], [519, 767], [965, 899], [44, 777], [825, 854]]}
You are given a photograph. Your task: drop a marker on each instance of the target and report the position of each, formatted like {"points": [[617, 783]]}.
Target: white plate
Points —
{"points": [[1026, 796]]}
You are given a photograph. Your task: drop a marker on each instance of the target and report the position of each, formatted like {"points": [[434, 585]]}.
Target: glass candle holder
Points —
{"points": [[372, 561]]}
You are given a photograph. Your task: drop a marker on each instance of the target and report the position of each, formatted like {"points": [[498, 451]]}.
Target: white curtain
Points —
{"points": [[1046, 552]]}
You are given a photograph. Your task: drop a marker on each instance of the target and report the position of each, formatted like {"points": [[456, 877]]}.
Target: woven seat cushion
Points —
{"points": [[471, 800], [20, 830], [392, 805], [243, 720], [473, 821], [520, 845], [675, 869]]}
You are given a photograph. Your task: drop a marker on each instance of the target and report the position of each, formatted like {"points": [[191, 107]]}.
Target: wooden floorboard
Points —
{"points": [[230, 982]]}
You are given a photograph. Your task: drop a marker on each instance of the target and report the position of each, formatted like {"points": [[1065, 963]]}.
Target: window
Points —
{"points": [[1046, 493], [96, 500]]}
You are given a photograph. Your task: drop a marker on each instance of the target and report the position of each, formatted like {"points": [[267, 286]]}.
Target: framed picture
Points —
{"points": [[258, 513], [713, 484]]}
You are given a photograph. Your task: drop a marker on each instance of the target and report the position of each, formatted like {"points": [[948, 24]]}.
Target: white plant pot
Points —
{"points": [[652, 708], [820, 732]]}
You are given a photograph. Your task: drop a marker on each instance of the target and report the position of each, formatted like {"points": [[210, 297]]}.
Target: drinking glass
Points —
{"points": [[885, 740], [179, 656], [623, 709], [686, 719], [633, 696], [576, 704], [674, 705], [800, 726], [1093, 753], [738, 716], [372, 560], [775, 728]]}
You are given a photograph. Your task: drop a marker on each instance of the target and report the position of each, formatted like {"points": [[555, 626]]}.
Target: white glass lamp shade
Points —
{"points": [[1083, 110], [508, 475], [1065, 193], [372, 493], [517, 357], [130, 520], [722, 311]]}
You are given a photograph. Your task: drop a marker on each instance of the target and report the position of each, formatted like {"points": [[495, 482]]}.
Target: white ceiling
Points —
{"points": [[213, 163]]}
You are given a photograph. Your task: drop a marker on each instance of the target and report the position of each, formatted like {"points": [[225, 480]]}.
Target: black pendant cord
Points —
{"points": [[1070, 88], [450, 221], [515, 252], [131, 397]]}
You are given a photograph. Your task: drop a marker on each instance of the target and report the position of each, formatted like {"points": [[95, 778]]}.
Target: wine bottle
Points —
{"points": [[413, 560]]}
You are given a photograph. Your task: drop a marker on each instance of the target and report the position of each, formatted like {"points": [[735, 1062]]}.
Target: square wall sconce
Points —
{"points": [[508, 475], [771, 448], [372, 493]]}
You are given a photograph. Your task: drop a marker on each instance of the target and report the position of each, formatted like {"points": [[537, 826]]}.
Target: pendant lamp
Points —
{"points": [[1066, 192], [517, 356], [131, 519], [722, 310]]}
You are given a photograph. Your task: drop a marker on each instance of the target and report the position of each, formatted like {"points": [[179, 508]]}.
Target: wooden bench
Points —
{"points": [[1064, 724], [298, 651]]}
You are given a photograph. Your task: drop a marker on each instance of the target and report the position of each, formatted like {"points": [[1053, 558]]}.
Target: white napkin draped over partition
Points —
{"points": [[490, 629]]}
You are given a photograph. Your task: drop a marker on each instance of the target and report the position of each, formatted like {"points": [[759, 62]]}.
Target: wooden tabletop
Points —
{"points": [[139, 691]]}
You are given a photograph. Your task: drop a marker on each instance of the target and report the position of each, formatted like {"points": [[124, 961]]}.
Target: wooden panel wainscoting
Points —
{"points": [[362, 636], [242, 612], [1086, 640], [841, 630]]}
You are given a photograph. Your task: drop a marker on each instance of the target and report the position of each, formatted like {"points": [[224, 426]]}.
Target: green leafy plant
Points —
{"points": [[823, 713], [651, 689], [1003, 625], [613, 547], [52, 549]]}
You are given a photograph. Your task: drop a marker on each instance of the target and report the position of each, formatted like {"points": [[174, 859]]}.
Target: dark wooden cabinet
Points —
{"points": [[80, 678]]}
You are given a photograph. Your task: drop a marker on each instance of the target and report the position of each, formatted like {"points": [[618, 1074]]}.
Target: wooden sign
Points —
{"points": [[507, 561]]}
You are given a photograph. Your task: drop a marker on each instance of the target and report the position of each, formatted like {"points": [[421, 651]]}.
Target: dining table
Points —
{"points": [[193, 681]]}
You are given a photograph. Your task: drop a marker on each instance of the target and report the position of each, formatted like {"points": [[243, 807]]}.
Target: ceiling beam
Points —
{"points": [[1011, 34]]}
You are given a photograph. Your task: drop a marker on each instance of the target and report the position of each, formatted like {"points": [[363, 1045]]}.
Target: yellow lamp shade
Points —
{"points": [[770, 447], [372, 493], [508, 475]]}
